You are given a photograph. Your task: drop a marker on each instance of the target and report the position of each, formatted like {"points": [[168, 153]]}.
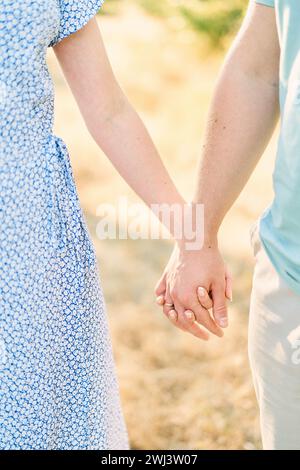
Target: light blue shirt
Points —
{"points": [[280, 223]]}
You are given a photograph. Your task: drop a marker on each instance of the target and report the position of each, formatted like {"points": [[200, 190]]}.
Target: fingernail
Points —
{"points": [[173, 315], [160, 300], [201, 291], [223, 322], [189, 315]]}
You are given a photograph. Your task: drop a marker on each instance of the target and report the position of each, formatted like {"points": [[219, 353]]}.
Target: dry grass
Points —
{"points": [[176, 391]]}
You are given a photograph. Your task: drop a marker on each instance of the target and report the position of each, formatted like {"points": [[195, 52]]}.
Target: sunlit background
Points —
{"points": [[177, 392]]}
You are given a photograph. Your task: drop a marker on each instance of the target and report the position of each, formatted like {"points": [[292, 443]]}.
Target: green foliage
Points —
{"points": [[213, 19], [155, 7]]}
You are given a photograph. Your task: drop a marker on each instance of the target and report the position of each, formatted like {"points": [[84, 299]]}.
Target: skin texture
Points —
{"points": [[110, 118], [247, 90], [241, 120], [118, 130]]}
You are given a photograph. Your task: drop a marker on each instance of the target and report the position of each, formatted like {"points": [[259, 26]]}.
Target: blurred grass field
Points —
{"points": [[177, 392]]}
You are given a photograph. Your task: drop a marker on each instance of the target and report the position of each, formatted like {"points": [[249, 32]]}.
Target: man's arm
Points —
{"points": [[241, 120], [242, 117]]}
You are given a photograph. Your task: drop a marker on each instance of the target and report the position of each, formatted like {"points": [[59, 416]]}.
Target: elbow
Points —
{"points": [[113, 107], [101, 118]]}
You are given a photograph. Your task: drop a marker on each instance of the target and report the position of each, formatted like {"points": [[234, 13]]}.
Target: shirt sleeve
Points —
{"points": [[74, 14], [268, 3]]}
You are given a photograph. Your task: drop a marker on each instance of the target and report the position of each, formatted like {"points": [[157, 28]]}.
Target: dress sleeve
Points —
{"points": [[268, 3], [74, 14]]}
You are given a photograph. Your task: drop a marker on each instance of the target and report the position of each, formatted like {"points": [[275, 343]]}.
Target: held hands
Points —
{"points": [[193, 284]]}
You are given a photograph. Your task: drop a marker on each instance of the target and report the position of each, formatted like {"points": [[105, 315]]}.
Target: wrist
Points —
{"points": [[208, 241], [201, 236]]}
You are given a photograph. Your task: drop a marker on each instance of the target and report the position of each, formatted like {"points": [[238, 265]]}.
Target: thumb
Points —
{"points": [[228, 288], [219, 305]]}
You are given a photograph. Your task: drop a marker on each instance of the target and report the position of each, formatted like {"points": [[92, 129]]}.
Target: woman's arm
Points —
{"points": [[117, 128], [110, 118]]}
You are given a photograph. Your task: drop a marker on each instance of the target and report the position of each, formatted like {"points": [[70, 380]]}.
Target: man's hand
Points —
{"points": [[192, 284], [242, 117]]}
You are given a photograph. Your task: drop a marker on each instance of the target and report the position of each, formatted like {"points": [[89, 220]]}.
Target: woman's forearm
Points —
{"points": [[111, 120], [124, 139]]}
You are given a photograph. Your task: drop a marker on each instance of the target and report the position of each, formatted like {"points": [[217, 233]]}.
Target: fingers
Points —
{"points": [[204, 318], [193, 323], [204, 298], [168, 299], [228, 286], [219, 305], [196, 319], [188, 321], [174, 317], [202, 313], [168, 307], [189, 324], [160, 300], [184, 320], [160, 290], [161, 286]]}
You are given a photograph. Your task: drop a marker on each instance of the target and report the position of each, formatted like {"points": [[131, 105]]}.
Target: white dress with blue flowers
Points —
{"points": [[58, 387]]}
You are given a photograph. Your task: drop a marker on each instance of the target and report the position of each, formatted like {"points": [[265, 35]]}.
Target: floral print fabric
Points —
{"points": [[58, 387]]}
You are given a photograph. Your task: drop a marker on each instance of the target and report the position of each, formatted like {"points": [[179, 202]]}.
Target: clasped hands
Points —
{"points": [[193, 291]]}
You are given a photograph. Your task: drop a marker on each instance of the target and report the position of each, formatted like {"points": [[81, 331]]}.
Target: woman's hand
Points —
{"points": [[193, 283]]}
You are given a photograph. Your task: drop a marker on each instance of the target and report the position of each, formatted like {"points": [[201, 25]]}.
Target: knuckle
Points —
{"points": [[190, 317], [172, 320], [220, 309], [185, 299]]}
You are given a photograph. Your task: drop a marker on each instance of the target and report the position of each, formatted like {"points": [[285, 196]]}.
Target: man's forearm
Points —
{"points": [[241, 120]]}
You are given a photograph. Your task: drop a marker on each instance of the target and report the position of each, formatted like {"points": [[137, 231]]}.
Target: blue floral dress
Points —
{"points": [[58, 387]]}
